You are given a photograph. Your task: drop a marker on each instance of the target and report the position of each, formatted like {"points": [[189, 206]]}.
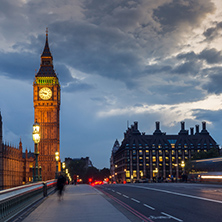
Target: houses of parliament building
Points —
{"points": [[16, 166]]}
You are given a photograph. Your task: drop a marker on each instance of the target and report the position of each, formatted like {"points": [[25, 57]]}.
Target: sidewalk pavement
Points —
{"points": [[80, 203]]}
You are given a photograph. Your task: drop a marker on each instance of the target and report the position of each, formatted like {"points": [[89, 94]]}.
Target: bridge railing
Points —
{"points": [[15, 200]]}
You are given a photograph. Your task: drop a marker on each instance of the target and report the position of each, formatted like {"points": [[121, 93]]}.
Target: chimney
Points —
{"points": [[182, 125], [204, 130], [203, 125], [157, 131], [191, 130], [135, 125], [197, 129], [157, 125]]}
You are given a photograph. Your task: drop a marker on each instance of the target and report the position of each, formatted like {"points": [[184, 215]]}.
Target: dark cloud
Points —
{"points": [[157, 68], [18, 66], [213, 32], [190, 56], [171, 15], [96, 51], [190, 67], [215, 80], [208, 115], [211, 56], [173, 94], [77, 86]]}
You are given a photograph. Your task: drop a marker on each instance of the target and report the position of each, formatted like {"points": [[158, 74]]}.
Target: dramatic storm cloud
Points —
{"points": [[117, 61]]}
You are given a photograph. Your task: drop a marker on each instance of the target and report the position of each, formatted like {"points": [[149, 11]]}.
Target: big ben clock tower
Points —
{"points": [[46, 98]]}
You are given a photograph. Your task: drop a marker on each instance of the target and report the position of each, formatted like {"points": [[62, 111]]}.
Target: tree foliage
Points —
{"points": [[204, 155]]}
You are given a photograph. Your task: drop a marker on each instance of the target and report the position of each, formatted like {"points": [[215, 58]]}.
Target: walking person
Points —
{"points": [[60, 184]]}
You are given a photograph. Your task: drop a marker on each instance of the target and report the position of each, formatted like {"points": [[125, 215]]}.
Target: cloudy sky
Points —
{"points": [[117, 61]]}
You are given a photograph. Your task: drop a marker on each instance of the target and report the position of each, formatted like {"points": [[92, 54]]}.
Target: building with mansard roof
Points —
{"points": [[158, 156]]}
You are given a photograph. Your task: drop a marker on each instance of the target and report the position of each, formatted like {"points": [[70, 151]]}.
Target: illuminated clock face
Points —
{"points": [[45, 93]]}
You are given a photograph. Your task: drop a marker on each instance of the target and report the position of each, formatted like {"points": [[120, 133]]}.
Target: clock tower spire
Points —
{"points": [[46, 98]]}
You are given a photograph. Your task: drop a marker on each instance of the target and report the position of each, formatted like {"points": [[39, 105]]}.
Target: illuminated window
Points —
{"points": [[147, 157], [160, 152], [159, 146], [173, 152], [167, 158], [147, 164], [141, 158], [140, 152], [147, 151], [160, 158], [172, 145], [154, 159], [127, 173], [134, 173]]}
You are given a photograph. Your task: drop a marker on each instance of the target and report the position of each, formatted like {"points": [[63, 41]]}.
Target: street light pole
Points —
{"points": [[36, 139], [57, 159], [63, 166]]}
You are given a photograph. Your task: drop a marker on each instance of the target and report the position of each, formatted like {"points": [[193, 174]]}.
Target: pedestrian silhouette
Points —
{"points": [[60, 184]]}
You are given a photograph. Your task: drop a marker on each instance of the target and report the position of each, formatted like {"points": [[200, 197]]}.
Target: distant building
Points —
{"points": [[15, 166], [159, 155], [112, 164], [87, 162]]}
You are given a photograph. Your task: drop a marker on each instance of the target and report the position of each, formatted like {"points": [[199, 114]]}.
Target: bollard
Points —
{"points": [[44, 189]]}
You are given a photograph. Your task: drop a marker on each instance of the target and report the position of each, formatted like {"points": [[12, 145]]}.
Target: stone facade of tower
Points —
{"points": [[46, 98]]}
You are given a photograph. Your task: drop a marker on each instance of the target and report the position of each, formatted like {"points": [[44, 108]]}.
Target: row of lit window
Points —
{"points": [[173, 152], [166, 146], [154, 158]]}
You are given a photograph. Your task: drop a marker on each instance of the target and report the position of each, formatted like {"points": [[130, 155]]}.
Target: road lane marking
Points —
{"points": [[149, 206], [178, 194], [132, 210], [158, 217], [119, 193], [125, 196], [113, 190], [135, 200], [171, 217]]}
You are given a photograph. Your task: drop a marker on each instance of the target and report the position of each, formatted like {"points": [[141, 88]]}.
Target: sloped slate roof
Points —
{"points": [[46, 71]]}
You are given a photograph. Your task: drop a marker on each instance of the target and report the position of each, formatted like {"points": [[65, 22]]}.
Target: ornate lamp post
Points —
{"points": [[57, 160], [36, 139], [63, 166]]}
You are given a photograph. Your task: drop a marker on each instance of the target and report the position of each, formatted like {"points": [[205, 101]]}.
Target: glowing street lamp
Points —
{"points": [[182, 165], [63, 166], [36, 139], [57, 160]]}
